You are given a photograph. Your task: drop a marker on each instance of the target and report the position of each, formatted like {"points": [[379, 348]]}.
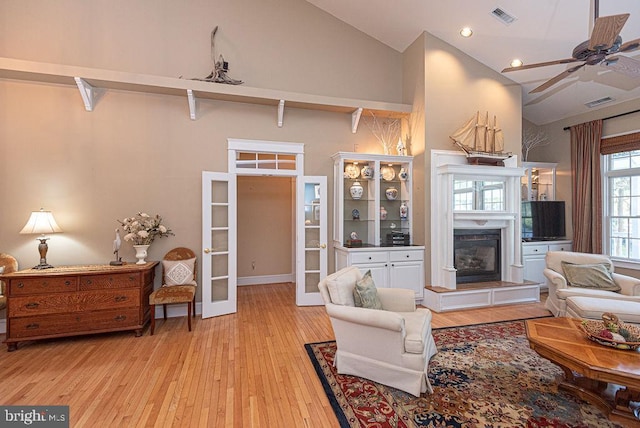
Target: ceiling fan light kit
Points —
{"points": [[605, 40]]}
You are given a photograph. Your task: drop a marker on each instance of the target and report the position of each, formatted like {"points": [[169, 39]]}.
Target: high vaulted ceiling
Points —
{"points": [[544, 30]]}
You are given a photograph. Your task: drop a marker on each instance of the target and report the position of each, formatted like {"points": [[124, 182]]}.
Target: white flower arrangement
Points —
{"points": [[142, 229]]}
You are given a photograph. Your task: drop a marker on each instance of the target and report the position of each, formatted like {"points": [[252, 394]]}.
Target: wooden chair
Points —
{"points": [[179, 267], [8, 264]]}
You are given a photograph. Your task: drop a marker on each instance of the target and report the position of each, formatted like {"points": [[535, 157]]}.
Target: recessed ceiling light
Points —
{"points": [[516, 63], [466, 32]]}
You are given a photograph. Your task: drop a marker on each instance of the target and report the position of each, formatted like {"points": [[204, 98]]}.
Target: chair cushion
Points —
{"points": [[179, 272], [367, 293], [593, 308], [595, 275], [341, 285], [172, 294]]}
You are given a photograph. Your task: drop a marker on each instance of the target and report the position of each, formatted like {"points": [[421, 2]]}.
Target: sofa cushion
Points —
{"points": [[341, 285], [593, 308], [594, 275], [367, 293]]}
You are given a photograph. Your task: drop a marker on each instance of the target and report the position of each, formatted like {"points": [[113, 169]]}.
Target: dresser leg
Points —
{"points": [[12, 346]]}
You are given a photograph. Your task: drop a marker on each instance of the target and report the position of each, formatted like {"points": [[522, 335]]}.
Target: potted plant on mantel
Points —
{"points": [[142, 229]]}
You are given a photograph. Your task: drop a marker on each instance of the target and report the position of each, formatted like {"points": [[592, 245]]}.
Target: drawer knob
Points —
{"points": [[20, 285], [32, 305], [408, 256], [369, 257], [120, 318], [67, 282], [121, 298], [132, 278], [33, 326], [89, 282]]}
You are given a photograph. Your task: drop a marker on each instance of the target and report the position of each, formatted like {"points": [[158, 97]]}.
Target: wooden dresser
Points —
{"points": [[75, 300]]}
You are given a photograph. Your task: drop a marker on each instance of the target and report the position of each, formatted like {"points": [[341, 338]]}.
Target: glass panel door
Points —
{"points": [[219, 276], [312, 264]]}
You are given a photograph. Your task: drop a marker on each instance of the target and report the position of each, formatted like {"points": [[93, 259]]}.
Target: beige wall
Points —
{"points": [[266, 226], [141, 152], [454, 87]]}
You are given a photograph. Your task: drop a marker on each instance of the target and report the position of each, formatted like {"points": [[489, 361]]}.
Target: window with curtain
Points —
{"points": [[621, 199]]}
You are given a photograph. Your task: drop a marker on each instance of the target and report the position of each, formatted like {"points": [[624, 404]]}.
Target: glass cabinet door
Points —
{"points": [[394, 203], [359, 203]]}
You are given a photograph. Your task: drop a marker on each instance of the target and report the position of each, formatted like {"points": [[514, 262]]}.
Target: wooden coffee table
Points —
{"points": [[608, 378]]}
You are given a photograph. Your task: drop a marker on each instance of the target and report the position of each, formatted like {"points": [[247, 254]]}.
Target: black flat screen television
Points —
{"points": [[542, 220]]}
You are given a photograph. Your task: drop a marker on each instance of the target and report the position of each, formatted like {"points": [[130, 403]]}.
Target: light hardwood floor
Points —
{"points": [[249, 369]]}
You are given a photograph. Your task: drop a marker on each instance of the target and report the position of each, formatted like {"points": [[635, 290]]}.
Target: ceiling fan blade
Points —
{"points": [[549, 83], [541, 64], [605, 31], [630, 46], [623, 64]]}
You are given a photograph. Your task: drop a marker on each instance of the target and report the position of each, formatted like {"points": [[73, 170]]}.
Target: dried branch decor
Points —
{"points": [[220, 66], [386, 131], [532, 138]]}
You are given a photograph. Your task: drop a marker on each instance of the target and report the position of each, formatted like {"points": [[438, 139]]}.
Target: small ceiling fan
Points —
{"points": [[599, 49]]}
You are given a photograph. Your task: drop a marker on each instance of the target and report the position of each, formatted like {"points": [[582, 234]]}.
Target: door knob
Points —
{"points": [[323, 245], [207, 250]]}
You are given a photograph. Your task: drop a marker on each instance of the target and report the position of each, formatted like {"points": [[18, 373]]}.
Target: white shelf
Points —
{"points": [[90, 79]]}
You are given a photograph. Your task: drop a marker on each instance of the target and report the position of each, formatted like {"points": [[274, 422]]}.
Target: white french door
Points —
{"points": [[311, 246], [219, 222], [219, 255]]}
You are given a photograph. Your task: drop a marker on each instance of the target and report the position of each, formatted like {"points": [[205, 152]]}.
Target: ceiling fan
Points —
{"points": [[599, 49]]}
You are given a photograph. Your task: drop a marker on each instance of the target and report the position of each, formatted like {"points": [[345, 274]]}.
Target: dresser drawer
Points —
{"points": [[61, 284], [406, 256], [369, 257], [81, 322], [95, 300], [117, 280], [560, 247], [42, 304], [530, 250]]}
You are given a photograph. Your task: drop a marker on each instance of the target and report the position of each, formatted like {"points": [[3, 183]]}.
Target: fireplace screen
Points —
{"points": [[476, 255]]}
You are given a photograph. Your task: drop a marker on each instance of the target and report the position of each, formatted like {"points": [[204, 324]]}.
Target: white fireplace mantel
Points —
{"points": [[447, 165]]}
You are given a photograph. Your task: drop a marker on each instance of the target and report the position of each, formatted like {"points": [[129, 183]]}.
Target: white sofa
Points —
{"points": [[391, 346], [560, 291]]}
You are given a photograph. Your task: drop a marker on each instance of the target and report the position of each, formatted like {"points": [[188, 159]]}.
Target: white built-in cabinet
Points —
{"points": [[533, 259], [373, 219], [539, 181]]}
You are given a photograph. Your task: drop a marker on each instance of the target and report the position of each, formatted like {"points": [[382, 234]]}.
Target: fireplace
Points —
{"points": [[476, 255]]}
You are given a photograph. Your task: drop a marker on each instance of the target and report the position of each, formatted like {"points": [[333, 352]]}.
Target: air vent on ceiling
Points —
{"points": [[503, 16], [599, 102]]}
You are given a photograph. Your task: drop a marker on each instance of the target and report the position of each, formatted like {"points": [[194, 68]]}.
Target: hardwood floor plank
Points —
{"points": [[248, 369]]}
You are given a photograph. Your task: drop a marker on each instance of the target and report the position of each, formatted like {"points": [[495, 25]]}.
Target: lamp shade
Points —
{"points": [[41, 222]]}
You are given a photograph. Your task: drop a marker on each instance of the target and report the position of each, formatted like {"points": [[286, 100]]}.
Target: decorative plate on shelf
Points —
{"points": [[387, 173], [351, 171]]}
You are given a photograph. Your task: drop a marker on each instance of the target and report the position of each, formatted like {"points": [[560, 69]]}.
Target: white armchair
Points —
{"points": [[559, 290], [391, 346]]}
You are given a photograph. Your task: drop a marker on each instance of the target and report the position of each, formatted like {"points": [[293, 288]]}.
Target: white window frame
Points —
{"points": [[607, 173]]}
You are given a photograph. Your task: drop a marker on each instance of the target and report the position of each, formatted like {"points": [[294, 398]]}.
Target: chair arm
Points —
{"points": [[629, 285], [368, 317], [397, 299], [555, 278]]}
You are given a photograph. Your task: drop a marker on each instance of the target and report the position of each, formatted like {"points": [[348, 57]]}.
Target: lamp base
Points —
{"points": [[42, 266]]}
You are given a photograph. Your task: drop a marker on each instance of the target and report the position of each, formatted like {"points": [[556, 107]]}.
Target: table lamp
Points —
{"points": [[41, 222]]}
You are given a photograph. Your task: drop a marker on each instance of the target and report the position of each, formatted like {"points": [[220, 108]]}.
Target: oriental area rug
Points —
{"points": [[483, 376]]}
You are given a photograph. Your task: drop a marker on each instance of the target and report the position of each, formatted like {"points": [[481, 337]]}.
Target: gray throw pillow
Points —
{"points": [[366, 293], [595, 276]]}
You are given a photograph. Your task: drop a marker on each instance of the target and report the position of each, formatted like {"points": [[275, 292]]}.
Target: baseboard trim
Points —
{"points": [[265, 279]]}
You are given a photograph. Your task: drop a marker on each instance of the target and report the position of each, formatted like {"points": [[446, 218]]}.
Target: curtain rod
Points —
{"points": [[566, 128]]}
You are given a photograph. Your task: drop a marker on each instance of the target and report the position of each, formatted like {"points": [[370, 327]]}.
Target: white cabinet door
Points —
{"points": [[379, 273], [407, 275]]}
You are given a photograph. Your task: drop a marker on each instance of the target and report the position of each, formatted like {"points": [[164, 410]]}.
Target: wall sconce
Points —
{"points": [[41, 222]]}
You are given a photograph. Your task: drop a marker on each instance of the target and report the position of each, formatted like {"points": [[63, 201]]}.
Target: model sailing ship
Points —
{"points": [[481, 141]]}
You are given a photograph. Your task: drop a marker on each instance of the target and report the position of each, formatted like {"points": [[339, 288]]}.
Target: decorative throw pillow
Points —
{"points": [[179, 272], [595, 276], [341, 286], [367, 292]]}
